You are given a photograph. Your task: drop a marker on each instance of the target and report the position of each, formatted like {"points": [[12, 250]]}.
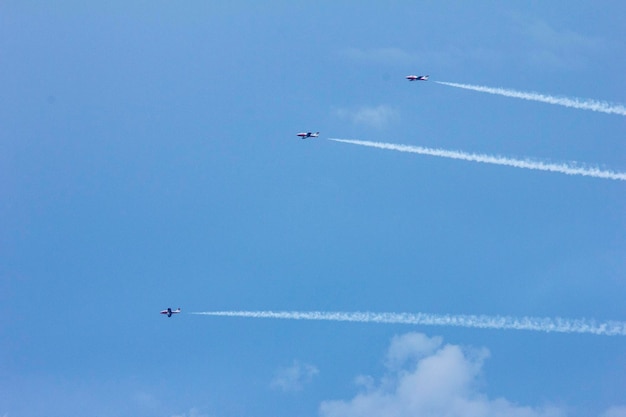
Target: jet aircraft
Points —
{"points": [[417, 77], [304, 135], [169, 311]]}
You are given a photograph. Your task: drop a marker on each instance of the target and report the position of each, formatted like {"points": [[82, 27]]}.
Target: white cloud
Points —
{"points": [[410, 346], [435, 381], [376, 117], [294, 377]]}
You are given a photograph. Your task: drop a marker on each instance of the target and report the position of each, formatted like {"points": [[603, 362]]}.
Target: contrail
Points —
{"points": [[537, 324], [563, 168], [577, 103]]}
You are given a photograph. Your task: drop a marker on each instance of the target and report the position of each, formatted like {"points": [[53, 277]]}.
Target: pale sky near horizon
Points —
{"points": [[149, 159]]}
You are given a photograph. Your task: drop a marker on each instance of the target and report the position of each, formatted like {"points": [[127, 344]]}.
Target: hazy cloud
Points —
{"points": [[435, 381], [379, 55], [552, 38], [424, 59], [193, 412], [540, 45], [376, 117], [617, 411], [294, 377], [559, 49], [146, 400]]}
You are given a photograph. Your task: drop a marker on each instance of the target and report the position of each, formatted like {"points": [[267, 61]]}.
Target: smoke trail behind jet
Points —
{"points": [[563, 168], [577, 103], [537, 324]]}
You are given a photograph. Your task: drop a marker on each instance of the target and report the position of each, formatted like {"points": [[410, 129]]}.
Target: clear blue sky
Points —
{"points": [[148, 159]]}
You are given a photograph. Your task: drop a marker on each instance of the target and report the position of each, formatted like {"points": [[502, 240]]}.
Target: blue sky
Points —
{"points": [[148, 159]]}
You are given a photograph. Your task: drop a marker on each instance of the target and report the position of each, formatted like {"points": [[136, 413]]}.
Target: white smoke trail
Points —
{"points": [[577, 103], [537, 324], [563, 168]]}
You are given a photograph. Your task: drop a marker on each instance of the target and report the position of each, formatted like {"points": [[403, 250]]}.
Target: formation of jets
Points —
{"points": [[305, 135], [169, 311]]}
